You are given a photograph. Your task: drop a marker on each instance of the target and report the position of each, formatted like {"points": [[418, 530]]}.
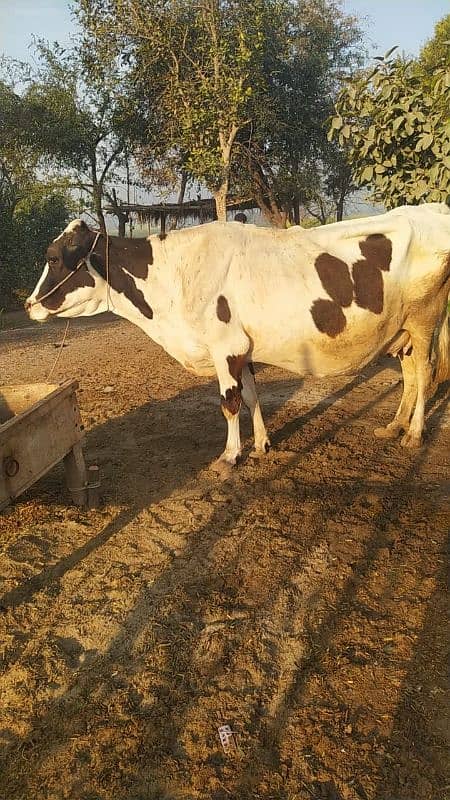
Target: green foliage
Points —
{"points": [[313, 45], [71, 125], [24, 238], [436, 52], [395, 123], [32, 211], [189, 77], [238, 89]]}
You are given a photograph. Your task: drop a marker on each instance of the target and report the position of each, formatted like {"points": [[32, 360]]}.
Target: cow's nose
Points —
{"points": [[27, 306]]}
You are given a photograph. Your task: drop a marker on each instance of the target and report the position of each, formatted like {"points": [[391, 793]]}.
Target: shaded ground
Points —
{"points": [[302, 602]]}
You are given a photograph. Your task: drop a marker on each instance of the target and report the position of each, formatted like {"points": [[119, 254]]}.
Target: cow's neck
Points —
{"points": [[142, 308], [145, 294]]}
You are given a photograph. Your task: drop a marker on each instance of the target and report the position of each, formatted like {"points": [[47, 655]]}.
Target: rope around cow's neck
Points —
{"points": [[59, 350], [78, 266]]}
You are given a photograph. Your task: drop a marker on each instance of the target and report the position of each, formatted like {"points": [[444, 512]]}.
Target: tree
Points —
{"points": [[395, 123], [313, 45], [32, 209], [331, 186], [238, 91], [189, 77], [436, 52], [77, 128]]}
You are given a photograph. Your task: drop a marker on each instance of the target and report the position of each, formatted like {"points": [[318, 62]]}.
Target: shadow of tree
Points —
{"points": [[421, 726], [266, 752]]}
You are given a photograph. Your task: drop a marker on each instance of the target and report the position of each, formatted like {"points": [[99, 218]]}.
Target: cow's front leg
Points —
{"points": [[250, 398], [229, 373]]}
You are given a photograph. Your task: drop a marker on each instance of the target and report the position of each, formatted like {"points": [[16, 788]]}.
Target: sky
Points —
{"points": [[406, 23]]}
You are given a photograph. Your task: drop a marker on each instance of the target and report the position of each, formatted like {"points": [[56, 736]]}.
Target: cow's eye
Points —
{"points": [[52, 260]]}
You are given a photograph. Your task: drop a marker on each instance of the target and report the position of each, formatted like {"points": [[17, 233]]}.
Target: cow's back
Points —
{"points": [[322, 300]]}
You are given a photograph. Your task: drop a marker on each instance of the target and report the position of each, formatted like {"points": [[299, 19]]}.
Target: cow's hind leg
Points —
{"points": [[401, 420], [421, 349], [250, 398]]}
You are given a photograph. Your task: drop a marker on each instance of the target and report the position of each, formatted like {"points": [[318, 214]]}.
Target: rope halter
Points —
{"points": [[72, 272]]}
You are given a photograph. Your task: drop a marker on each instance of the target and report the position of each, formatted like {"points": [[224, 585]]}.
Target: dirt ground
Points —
{"points": [[302, 602]]}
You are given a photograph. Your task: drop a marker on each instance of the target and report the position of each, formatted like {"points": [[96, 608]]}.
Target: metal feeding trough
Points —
{"points": [[40, 425]]}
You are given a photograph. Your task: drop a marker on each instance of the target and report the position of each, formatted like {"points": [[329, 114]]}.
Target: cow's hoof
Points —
{"points": [[387, 432], [411, 442], [259, 452]]}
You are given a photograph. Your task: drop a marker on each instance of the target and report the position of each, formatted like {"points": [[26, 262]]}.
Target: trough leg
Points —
{"points": [[75, 470]]}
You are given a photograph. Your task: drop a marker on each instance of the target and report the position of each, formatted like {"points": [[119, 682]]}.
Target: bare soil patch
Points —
{"points": [[302, 602]]}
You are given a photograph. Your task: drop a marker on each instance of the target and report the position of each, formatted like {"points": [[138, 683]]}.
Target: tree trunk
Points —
{"points": [[220, 196], [265, 198], [340, 207], [122, 221], [97, 197], [226, 140], [182, 192], [122, 216], [277, 217]]}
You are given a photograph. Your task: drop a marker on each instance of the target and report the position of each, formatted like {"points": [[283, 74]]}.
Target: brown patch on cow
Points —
{"points": [[328, 317], [231, 403], [235, 365], [377, 250], [223, 309], [232, 400], [335, 278], [368, 282], [123, 283], [134, 255]]}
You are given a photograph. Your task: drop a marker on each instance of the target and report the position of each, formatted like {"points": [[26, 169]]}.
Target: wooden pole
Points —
{"points": [[76, 477]]}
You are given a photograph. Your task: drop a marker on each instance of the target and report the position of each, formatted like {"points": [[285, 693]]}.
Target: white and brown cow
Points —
{"points": [[323, 301]]}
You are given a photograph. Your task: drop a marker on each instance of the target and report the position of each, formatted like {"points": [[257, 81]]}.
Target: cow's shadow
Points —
{"points": [[146, 455]]}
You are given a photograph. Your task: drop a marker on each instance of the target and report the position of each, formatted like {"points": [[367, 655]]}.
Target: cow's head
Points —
{"points": [[81, 291]]}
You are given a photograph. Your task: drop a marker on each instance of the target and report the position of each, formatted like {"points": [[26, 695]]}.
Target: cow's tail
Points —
{"points": [[442, 349]]}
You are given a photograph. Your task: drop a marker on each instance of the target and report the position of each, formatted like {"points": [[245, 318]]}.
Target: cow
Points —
{"points": [[322, 301]]}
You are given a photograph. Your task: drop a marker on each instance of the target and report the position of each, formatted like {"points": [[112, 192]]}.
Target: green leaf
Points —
{"points": [[367, 174], [337, 122], [427, 141]]}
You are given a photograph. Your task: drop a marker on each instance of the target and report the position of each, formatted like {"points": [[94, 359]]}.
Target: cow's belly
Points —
{"points": [[322, 356], [292, 344], [309, 360]]}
